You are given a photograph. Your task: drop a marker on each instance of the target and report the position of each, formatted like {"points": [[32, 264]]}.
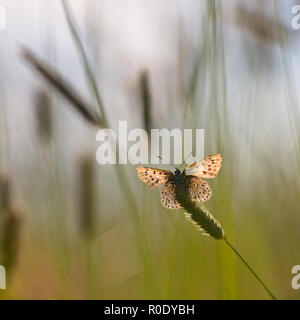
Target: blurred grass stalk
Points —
{"points": [[87, 216], [218, 135], [86, 188], [43, 115], [10, 238], [10, 224], [5, 191], [193, 83], [258, 24], [146, 101], [55, 79]]}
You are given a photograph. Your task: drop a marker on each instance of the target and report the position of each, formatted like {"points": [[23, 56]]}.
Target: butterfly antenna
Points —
{"points": [[166, 161], [184, 162]]}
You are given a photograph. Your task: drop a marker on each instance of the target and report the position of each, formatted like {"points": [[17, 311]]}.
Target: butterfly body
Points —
{"points": [[188, 180], [180, 178]]}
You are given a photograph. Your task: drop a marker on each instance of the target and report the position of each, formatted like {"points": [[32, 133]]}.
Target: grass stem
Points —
{"points": [[250, 268]]}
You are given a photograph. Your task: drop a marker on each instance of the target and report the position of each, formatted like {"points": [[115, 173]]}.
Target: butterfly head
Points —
{"points": [[177, 172]]}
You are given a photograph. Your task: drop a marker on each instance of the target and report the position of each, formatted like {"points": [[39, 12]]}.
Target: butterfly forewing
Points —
{"points": [[207, 168], [168, 195], [153, 178], [199, 190]]}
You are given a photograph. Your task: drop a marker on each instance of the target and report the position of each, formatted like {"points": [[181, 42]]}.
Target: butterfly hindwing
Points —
{"points": [[199, 190], [153, 178], [207, 168], [168, 195]]}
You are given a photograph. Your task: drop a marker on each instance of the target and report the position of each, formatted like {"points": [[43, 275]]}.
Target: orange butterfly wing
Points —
{"points": [[199, 190], [168, 196], [153, 178], [207, 168]]}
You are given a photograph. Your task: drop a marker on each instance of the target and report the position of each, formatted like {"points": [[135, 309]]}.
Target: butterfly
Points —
{"points": [[190, 178]]}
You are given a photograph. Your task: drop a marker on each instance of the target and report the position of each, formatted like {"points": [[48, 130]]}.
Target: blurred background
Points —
{"points": [[73, 229]]}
